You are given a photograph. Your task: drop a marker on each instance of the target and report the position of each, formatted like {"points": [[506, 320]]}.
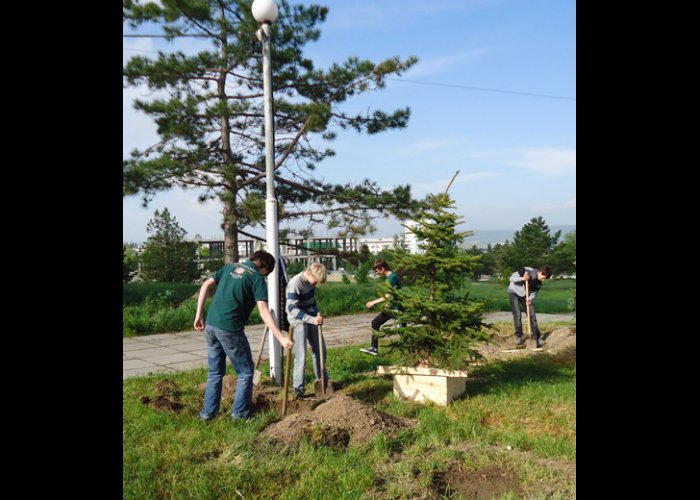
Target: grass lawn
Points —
{"points": [[513, 434]]}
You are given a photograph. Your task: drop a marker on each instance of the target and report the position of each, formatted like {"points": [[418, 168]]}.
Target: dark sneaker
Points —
{"points": [[206, 418], [539, 343], [370, 350], [518, 340], [297, 394], [241, 420]]}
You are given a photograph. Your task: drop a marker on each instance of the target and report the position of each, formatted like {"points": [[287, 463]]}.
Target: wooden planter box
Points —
{"points": [[426, 384]]}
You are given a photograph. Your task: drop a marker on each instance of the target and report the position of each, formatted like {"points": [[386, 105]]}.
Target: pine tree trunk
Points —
{"points": [[230, 234]]}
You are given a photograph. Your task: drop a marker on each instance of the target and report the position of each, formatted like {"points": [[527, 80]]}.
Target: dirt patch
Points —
{"points": [[488, 482], [228, 386], [503, 346], [330, 421], [167, 397]]}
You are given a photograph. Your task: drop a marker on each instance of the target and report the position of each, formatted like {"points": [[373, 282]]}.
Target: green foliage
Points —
{"points": [[563, 259], [191, 112], [129, 264], [135, 293], [362, 273], [532, 245], [213, 265], [295, 268], [442, 327], [167, 257], [345, 278]]}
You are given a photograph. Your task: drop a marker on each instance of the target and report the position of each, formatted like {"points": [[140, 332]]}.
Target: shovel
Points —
{"points": [[257, 374], [527, 308], [323, 389], [287, 367]]}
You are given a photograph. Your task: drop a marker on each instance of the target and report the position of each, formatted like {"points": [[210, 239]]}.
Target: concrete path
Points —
{"points": [[171, 352]]}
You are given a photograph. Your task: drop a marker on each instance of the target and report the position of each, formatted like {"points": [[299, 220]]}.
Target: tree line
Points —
{"points": [[168, 257]]}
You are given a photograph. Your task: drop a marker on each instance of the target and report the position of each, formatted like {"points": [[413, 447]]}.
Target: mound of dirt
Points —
{"points": [[228, 386], [560, 339], [167, 397], [341, 421], [503, 343]]}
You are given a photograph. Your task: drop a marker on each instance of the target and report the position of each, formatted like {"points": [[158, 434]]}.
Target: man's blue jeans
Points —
{"points": [[221, 343], [302, 333], [515, 303]]}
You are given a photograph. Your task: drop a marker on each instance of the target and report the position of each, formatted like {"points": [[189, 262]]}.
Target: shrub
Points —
{"points": [[439, 327]]}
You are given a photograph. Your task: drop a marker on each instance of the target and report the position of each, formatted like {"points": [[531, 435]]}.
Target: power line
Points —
{"points": [[482, 89], [166, 36]]}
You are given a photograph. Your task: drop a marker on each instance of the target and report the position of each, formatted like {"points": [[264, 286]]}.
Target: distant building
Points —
{"points": [[410, 239], [298, 249], [376, 245], [293, 249]]}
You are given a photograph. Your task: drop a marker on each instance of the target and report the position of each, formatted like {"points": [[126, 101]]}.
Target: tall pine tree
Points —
{"points": [[167, 256], [208, 108], [442, 327], [532, 245]]}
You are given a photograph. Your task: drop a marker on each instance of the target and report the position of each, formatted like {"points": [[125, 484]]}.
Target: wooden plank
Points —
{"points": [[408, 370]]}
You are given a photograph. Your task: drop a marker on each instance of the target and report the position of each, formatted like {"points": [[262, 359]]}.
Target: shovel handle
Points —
{"points": [[322, 361], [287, 366], [262, 346], [527, 307]]}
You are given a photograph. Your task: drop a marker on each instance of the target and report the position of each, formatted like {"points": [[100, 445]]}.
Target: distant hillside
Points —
{"points": [[482, 238]]}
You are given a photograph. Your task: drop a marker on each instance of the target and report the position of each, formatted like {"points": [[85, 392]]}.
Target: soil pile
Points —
{"points": [[167, 397], [341, 421]]}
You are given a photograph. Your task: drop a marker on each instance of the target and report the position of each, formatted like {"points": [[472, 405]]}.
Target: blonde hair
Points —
{"points": [[318, 271]]}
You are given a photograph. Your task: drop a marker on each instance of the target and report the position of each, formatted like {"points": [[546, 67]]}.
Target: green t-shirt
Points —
{"points": [[393, 280], [239, 287]]}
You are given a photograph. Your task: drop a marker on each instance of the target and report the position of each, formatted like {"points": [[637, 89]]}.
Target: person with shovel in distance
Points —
{"points": [[516, 295], [303, 316], [240, 286]]}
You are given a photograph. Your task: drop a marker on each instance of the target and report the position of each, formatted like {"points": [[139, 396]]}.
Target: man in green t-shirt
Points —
{"points": [[382, 268], [239, 288]]}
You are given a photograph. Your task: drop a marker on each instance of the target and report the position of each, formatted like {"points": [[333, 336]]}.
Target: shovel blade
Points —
{"points": [[256, 377], [318, 389]]}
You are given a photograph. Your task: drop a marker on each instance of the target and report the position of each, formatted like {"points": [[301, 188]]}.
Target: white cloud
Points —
{"points": [[549, 161], [551, 207], [426, 67], [439, 186], [428, 146]]}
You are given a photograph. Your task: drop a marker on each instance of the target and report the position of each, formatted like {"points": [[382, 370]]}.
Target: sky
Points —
{"points": [[493, 95]]}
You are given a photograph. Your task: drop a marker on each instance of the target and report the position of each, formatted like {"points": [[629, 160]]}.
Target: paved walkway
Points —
{"points": [[171, 352]]}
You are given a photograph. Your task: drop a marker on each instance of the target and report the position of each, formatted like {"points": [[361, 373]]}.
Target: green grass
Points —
{"points": [[166, 307], [553, 297], [527, 404]]}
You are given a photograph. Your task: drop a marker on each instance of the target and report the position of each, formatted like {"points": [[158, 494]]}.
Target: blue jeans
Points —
{"points": [[221, 343], [515, 302], [302, 332]]}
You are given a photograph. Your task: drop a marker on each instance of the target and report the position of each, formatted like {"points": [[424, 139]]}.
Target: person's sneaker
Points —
{"points": [[206, 418], [241, 420], [297, 394], [518, 340], [539, 343], [370, 350]]}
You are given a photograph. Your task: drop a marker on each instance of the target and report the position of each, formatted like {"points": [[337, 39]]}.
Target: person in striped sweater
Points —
{"points": [[305, 318]]}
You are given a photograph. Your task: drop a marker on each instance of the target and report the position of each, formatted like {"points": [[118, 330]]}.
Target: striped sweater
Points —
{"points": [[301, 300]]}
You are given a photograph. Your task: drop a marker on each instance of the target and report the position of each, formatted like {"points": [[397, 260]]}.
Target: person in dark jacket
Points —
{"points": [[518, 301]]}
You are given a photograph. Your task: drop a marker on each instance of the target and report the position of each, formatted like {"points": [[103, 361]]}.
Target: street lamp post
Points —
{"points": [[265, 12]]}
